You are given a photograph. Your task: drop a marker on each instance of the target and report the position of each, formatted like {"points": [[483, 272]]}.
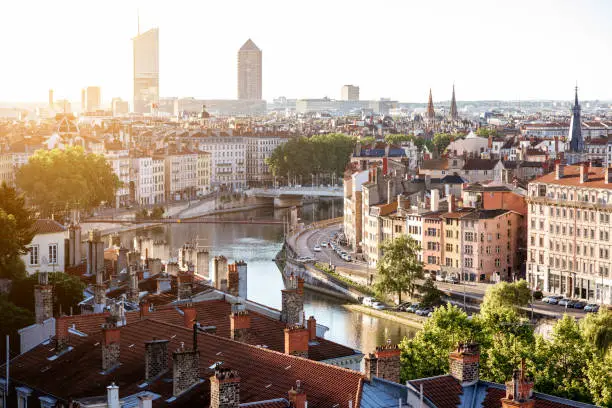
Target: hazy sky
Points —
{"points": [[398, 49]]}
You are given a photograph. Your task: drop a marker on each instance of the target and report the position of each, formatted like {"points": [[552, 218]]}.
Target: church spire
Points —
{"points": [[430, 108], [576, 142], [453, 108]]}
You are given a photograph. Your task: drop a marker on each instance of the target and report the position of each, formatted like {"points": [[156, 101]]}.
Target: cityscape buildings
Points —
{"points": [[350, 93], [249, 71], [146, 71], [91, 99]]}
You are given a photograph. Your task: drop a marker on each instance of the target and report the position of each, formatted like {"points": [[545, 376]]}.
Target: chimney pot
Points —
{"points": [[111, 347], [112, 396], [584, 173], [185, 369], [156, 358], [145, 401], [297, 396], [225, 389], [464, 364], [312, 328], [388, 362], [190, 316], [240, 325]]}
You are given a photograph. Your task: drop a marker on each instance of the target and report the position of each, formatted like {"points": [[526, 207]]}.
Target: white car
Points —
{"points": [[378, 306], [317, 248], [439, 278], [368, 301], [323, 244]]}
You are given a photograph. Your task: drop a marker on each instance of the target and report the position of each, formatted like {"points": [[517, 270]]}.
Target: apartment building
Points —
{"points": [[258, 149], [569, 232], [181, 175], [118, 158], [204, 172], [7, 172], [353, 217], [228, 161]]}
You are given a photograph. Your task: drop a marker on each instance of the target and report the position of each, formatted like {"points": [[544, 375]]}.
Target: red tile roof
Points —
{"points": [[46, 226], [572, 178], [265, 374], [444, 391]]}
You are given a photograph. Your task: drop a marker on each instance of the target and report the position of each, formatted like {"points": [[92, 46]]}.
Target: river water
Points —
{"points": [[258, 245]]}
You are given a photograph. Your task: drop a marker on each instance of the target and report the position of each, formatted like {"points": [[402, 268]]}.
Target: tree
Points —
{"points": [[599, 376], [513, 295], [430, 294], [16, 226], [398, 138], [67, 291], [597, 330], [58, 181], [13, 317], [399, 268], [441, 141]]}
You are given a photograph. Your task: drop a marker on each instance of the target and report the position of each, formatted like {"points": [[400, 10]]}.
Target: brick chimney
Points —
{"points": [[312, 328], [451, 203], [584, 173], [240, 325], [608, 175], [224, 389], [185, 285], [145, 308], [297, 396], [111, 348], [519, 390], [185, 369], [292, 299], [163, 283], [62, 335], [190, 315], [43, 298], [559, 170], [233, 279], [133, 291], [156, 358], [296, 341], [388, 362], [464, 363], [370, 366]]}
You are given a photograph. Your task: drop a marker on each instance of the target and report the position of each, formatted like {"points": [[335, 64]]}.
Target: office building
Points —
{"points": [[249, 71], [350, 93], [120, 107], [146, 71], [91, 99]]}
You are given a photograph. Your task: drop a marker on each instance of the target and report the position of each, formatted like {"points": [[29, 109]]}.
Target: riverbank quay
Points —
{"points": [[398, 317]]}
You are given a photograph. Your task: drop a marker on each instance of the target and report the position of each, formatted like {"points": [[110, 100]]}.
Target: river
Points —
{"points": [[257, 245]]}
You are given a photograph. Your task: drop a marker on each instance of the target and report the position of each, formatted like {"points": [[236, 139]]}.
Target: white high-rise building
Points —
{"points": [[146, 71]]}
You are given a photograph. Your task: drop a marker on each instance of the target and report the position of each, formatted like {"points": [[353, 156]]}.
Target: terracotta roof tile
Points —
{"points": [[444, 391], [47, 226], [572, 178]]}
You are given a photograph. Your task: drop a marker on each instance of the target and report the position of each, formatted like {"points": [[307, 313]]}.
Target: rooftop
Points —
{"points": [[47, 226]]}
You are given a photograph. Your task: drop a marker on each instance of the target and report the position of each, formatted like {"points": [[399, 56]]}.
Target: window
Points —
{"points": [[449, 247], [497, 262], [449, 262], [34, 255], [468, 249], [468, 262], [52, 254]]}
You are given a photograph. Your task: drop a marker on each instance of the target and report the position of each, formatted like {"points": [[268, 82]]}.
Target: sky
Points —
{"points": [[490, 49]]}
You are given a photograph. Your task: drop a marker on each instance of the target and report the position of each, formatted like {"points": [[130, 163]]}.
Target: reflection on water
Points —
{"points": [[258, 245]]}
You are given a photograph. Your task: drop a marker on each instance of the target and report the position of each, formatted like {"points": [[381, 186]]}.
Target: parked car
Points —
{"points": [[324, 244], [367, 301], [347, 258], [451, 279], [378, 306], [571, 303], [579, 305], [424, 311], [403, 306], [564, 302], [591, 307], [317, 248], [553, 300], [439, 278], [413, 308]]}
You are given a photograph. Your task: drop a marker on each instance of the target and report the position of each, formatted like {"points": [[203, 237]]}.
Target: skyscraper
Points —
{"points": [[91, 99], [146, 70], [350, 93], [249, 71]]}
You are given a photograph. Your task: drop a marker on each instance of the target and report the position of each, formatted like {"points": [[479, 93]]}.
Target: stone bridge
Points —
{"points": [[294, 196]]}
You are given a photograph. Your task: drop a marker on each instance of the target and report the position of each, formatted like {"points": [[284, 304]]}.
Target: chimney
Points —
{"points": [[240, 325], [297, 396], [388, 362], [202, 263], [111, 347], [224, 389], [112, 396], [242, 278], [370, 363], [145, 401], [608, 175], [43, 298], [451, 203], [163, 283], [156, 359], [219, 272], [427, 182], [519, 390], [296, 341], [186, 369], [145, 308], [62, 335], [232, 279], [99, 297], [435, 200], [312, 328], [292, 300], [190, 315], [559, 170], [464, 363], [122, 259], [133, 292], [390, 191], [185, 285], [584, 173]]}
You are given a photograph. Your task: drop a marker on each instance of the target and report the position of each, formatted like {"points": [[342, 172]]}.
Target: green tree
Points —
{"points": [[16, 225], [599, 377], [398, 138], [399, 267], [67, 292], [430, 294], [441, 141], [57, 181], [13, 317], [597, 330], [513, 295]]}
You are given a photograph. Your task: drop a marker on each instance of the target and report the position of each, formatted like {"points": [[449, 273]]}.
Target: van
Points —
{"points": [[368, 301]]}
